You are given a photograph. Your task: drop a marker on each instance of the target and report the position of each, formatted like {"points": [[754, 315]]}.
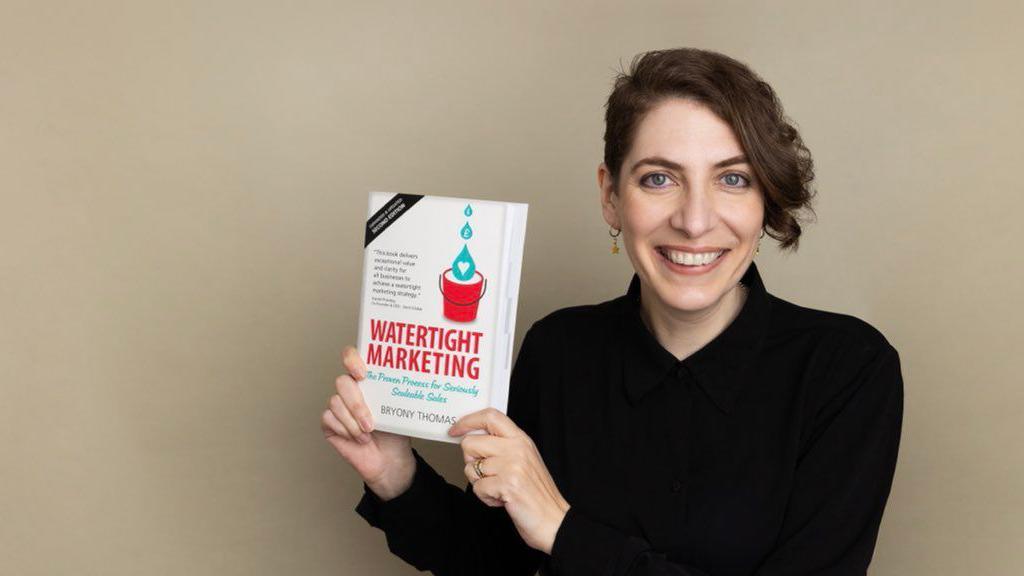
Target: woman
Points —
{"points": [[696, 424]]}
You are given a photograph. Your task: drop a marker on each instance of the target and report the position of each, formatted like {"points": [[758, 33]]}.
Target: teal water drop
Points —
{"points": [[468, 211], [463, 268], [466, 232]]}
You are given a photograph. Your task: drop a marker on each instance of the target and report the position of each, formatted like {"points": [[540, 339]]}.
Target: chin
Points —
{"points": [[693, 300]]}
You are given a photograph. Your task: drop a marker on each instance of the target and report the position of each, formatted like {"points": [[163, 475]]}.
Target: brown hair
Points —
{"points": [[782, 164]]}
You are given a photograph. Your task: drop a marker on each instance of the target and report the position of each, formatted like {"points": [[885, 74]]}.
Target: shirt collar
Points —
{"points": [[720, 368]]}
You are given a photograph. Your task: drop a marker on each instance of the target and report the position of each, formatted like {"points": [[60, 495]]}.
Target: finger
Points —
{"points": [[477, 446], [325, 427], [352, 396], [347, 421], [332, 427], [487, 490], [492, 420], [490, 467], [354, 365], [347, 427], [470, 473]]}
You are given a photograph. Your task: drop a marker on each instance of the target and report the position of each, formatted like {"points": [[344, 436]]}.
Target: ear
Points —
{"points": [[609, 200]]}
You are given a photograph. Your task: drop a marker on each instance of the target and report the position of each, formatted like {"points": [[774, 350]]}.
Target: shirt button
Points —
{"points": [[677, 485]]}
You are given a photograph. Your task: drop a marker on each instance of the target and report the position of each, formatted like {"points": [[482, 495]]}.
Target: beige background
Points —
{"points": [[183, 194]]}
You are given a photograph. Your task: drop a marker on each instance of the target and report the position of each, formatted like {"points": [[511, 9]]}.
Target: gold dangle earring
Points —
{"points": [[615, 240], [758, 251]]}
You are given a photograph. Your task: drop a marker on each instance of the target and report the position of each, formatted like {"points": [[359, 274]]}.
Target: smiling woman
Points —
{"points": [[700, 162], [688, 211], [695, 425]]}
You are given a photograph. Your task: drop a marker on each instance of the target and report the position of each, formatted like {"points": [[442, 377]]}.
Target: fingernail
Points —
{"points": [[365, 425], [365, 438]]}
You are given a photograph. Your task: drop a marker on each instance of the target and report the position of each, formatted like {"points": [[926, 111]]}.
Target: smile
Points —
{"points": [[688, 262]]}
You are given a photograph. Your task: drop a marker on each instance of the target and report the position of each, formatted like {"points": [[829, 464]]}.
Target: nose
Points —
{"points": [[695, 212]]}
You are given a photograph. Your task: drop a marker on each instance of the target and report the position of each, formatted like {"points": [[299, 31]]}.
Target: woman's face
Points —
{"points": [[685, 187]]}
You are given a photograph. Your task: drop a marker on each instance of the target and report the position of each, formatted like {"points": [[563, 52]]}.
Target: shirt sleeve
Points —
{"points": [[841, 485], [449, 531]]}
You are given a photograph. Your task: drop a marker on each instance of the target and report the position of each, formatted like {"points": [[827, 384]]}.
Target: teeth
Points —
{"points": [[688, 259]]}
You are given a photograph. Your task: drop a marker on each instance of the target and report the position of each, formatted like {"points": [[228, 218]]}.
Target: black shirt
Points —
{"points": [[769, 451]]}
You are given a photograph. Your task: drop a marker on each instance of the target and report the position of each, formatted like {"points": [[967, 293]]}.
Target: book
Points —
{"points": [[437, 313]]}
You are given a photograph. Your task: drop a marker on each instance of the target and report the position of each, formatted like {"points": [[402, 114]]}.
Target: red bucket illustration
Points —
{"points": [[461, 298]]}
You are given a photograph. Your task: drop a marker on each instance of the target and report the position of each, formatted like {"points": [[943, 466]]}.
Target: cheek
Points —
{"points": [[641, 219], [745, 217]]}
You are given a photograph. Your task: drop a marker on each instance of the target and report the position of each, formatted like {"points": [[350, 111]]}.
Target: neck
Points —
{"points": [[682, 332]]}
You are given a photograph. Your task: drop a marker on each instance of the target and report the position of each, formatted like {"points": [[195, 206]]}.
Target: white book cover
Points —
{"points": [[438, 309]]}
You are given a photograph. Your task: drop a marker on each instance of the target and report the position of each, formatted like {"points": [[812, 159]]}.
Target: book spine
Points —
{"points": [[512, 250]]}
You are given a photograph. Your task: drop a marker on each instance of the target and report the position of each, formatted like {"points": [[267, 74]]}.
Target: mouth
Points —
{"points": [[689, 262]]}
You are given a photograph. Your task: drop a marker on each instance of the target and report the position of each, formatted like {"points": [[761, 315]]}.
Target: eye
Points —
{"points": [[736, 180], [656, 179]]}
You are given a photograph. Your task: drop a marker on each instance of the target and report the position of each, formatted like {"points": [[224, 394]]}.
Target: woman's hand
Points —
{"points": [[514, 475], [384, 460]]}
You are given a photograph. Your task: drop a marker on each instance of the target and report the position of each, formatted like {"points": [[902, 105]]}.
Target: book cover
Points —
{"points": [[438, 309]]}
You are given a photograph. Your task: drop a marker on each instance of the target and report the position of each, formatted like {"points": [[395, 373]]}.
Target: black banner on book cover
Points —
{"points": [[386, 216]]}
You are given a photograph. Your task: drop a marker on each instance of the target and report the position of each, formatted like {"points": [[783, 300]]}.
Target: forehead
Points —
{"points": [[685, 131]]}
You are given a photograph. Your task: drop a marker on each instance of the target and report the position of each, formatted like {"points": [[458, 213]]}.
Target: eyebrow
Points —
{"points": [[665, 162]]}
